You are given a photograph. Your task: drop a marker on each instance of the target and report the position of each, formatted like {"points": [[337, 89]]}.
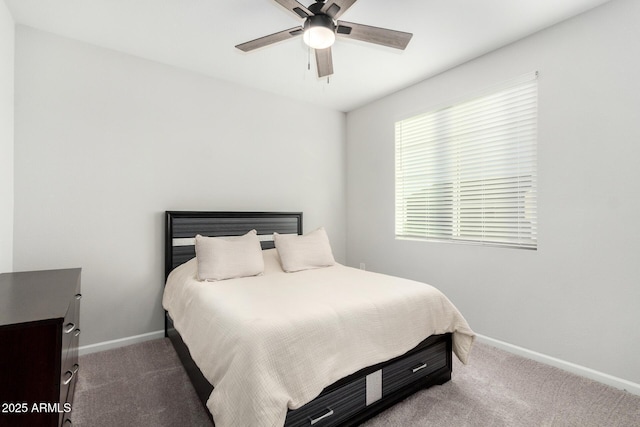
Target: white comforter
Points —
{"points": [[272, 342]]}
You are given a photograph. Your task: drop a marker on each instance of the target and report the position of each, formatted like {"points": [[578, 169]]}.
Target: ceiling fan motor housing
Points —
{"points": [[319, 21]]}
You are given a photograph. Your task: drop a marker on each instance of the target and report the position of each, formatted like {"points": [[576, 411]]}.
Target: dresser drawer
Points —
{"points": [[419, 365], [71, 322], [67, 387], [332, 408], [68, 376]]}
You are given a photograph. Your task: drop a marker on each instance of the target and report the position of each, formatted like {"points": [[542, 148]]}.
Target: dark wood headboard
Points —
{"points": [[182, 227]]}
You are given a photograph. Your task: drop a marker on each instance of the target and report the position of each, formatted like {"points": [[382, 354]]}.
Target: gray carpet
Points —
{"points": [[145, 385]]}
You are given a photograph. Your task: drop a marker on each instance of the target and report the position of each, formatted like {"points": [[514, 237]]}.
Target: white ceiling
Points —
{"points": [[200, 35]]}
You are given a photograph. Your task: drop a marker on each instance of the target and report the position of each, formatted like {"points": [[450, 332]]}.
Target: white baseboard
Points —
{"points": [[121, 342], [582, 371]]}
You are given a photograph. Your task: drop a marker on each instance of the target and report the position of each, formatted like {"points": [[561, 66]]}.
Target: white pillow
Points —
{"points": [[222, 258], [304, 252]]}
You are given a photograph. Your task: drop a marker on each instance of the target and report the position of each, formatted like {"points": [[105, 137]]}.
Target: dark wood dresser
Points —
{"points": [[39, 333]]}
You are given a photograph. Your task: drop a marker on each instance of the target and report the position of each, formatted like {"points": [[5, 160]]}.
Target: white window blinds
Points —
{"points": [[467, 172]]}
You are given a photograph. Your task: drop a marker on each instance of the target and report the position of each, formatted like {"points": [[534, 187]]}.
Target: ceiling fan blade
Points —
{"points": [[295, 7], [377, 35], [270, 39], [336, 8], [324, 62]]}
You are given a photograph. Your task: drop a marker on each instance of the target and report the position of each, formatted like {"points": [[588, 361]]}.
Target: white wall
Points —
{"points": [[106, 142], [7, 35], [577, 298]]}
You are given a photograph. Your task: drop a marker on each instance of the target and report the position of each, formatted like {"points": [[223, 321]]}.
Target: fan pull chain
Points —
{"points": [[308, 58]]}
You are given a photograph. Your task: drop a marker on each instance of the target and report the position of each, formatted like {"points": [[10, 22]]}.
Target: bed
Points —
{"points": [[364, 385]]}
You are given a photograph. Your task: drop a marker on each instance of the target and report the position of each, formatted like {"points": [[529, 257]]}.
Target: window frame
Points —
{"points": [[491, 197]]}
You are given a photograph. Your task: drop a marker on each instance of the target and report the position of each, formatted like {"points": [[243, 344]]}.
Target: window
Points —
{"points": [[467, 173]]}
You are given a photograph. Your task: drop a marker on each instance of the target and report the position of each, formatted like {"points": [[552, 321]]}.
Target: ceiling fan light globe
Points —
{"points": [[319, 31], [319, 37]]}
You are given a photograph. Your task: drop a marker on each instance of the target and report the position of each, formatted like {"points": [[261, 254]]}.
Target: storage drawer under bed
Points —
{"points": [[411, 368], [331, 408]]}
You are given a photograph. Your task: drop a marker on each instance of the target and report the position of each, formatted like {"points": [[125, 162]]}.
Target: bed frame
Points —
{"points": [[347, 402]]}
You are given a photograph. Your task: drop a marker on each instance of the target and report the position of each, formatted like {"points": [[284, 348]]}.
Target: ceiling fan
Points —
{"points": [[320, 27]]}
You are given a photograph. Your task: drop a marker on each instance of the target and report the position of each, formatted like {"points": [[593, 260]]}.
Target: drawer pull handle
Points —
{"points": [[76, 333], [70, 327], [68, 422], [419, 368], [75, 368], [78, 296], [71, 375], [327, 415]]}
